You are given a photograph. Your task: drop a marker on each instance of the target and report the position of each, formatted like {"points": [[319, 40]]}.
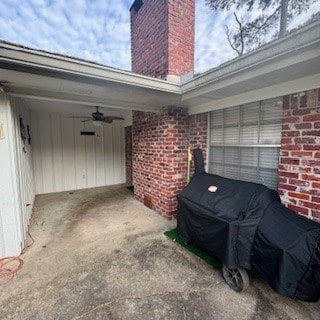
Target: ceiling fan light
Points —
{"points": [[96, 123]]}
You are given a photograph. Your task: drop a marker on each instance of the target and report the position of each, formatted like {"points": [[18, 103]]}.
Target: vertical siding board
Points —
{"points": [[20, 166], [68, 152], [46, 152], [56, 137], [100, 166], [108, 153], [117, 152], [80, 151], [36, 153], [123, 152], [90, 157]]}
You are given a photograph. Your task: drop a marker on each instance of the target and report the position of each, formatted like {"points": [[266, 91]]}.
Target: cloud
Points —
{"points": [[211, 45], [99, 30], [95, 30]]}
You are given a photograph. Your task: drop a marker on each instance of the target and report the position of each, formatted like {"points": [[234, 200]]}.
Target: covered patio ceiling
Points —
{"points": [[287, 65]]}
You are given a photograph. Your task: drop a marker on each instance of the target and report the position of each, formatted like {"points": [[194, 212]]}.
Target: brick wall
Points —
{"points": [[128, 147], [159, 158], [162, 37], [299, 168]]}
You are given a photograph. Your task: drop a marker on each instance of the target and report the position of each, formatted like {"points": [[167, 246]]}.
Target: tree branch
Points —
{"points": [[240, 35], [266, 22]]}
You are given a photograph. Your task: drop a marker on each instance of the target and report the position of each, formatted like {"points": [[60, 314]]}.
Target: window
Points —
{"points": [[245, 142]]}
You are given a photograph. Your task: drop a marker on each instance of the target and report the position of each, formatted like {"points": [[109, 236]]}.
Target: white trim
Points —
{"points": [[302, 84], [9, 188], [52, 62]]}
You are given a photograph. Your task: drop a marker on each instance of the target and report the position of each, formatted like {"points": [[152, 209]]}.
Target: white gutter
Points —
{"points": [[26, 57], [300, 40]]}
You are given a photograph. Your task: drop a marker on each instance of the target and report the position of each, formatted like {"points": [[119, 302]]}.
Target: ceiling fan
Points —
{"points": [[98, 118]]}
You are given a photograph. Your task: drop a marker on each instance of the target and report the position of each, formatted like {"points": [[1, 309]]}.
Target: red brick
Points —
{"points": [[291, 147], [312, 117], [311, 133], [305, 140], [282, 179], [294, 161], [301, 153], [284, 153], [299, 195], [311, 190], [304, 125], [316, 214], [316, 185], [310, 205], [286, 140], [284, 186], [285, 126], [300, 112], [317, 125], [299, 182], [310, 162], [290, 133], [289, 174], [311, 147], [310, 177], [317, 200], [291, 120]]}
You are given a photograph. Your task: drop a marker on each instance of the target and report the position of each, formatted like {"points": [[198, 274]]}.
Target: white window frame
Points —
{"points": [[258, 147]]}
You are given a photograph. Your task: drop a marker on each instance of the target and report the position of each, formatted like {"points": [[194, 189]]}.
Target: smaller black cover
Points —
{"points": [[198, 161], [286, 252]]}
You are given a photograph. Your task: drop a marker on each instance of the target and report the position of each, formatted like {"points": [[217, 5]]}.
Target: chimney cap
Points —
{"points": [[137, 4]]}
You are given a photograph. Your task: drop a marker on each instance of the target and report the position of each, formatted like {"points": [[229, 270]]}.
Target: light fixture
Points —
{"points": [[97, 123]]}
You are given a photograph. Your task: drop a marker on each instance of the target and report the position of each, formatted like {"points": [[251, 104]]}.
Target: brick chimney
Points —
{"points": [[162, 38], [162, 42]]}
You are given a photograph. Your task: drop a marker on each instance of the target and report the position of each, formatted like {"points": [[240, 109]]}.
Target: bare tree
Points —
{"points": [[250, 34]]}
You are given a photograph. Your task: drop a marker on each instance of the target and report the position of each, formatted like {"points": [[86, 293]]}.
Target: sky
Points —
{"points": [[99, 30]]}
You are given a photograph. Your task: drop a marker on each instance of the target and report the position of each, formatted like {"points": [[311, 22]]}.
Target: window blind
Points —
{"points": [[245, 142]]}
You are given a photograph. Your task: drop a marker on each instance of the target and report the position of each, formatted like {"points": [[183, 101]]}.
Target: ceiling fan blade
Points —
{"points": [[86, 120], [80, 117], [109, 119]]}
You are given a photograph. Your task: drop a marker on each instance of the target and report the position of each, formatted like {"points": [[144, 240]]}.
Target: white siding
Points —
{"points": [[65, 160], [16, 178]]}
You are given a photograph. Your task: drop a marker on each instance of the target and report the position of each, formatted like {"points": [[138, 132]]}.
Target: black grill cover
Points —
{"points": [[223, 222], [245, 225]]}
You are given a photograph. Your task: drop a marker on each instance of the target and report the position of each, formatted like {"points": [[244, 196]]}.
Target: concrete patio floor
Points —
{"points": [[100, 254]]}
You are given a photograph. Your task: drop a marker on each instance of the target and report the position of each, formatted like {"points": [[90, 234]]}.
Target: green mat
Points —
{"points": [[174, 236]]}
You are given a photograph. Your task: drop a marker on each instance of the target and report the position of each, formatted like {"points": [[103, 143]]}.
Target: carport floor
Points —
{"points": [[100, 254]]}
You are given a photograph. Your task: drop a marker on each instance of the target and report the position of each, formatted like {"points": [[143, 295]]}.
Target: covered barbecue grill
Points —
{"points": [[245, 225]]}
